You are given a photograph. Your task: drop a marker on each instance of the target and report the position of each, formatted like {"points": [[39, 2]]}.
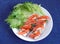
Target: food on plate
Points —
{"points": [[33, 26], [29, 19]]}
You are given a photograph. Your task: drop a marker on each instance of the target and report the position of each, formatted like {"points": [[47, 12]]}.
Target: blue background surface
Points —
{"points": [[8, 37]]}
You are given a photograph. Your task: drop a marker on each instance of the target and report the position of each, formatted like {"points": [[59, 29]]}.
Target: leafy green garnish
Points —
{"points": [[21, 12]]}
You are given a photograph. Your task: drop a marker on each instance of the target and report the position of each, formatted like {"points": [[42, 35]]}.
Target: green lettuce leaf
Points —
{"points": [[21, 12]]}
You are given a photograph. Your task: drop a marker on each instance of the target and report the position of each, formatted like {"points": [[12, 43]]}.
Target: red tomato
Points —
{"points": [[38, 26], [21, 33], [32, 36], [41, 22], [33, 16], [43, 17], [30, 21], [37, 33], [26, 26]]}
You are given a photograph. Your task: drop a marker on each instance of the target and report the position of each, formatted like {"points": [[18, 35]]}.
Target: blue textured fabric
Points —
{"points": [[8, 37]]}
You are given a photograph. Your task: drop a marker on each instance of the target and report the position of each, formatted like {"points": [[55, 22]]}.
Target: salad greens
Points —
{"points": [[21, 12]]}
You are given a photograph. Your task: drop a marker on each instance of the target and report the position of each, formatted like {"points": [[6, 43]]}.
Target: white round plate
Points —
{"points": [[46, 32]]}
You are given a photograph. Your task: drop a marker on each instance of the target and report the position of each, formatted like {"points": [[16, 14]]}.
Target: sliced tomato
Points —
{"points": [[32, 36], [40, 22], [33, 16], [21, 33], [38, 26], [35, 28], [31, 19], [37, 33], [43, 18], [26, 26], [30, 22]]}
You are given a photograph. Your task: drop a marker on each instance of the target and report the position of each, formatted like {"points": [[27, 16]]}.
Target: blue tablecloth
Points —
{"points": [[8, 37]]}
